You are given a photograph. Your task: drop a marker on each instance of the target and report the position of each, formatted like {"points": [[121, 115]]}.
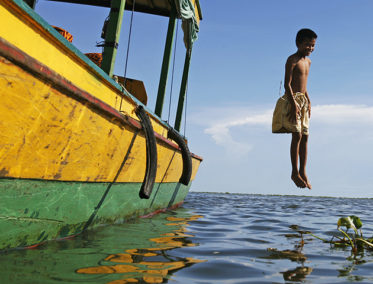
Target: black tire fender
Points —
{"points": [[151, 153], [185, 153]]}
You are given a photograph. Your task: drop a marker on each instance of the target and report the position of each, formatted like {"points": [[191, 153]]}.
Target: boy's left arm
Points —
{"points": [[309, 104]]}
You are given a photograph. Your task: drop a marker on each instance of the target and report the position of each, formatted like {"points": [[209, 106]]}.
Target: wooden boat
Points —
{"points": [[77, 149]]}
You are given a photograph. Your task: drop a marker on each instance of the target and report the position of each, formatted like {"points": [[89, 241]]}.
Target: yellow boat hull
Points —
{"points": [[69, 157]]}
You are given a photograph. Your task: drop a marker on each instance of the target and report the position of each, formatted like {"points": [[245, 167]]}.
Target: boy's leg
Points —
{"points": [[294, 154], [303, 159]]}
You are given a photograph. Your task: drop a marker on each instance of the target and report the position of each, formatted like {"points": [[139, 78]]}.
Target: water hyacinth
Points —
{"points": [[356, 240], [352, 221]]}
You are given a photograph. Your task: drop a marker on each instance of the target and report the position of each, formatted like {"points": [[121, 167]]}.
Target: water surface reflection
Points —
{"points": [[152, 264], [140, 251], [240, 239]]}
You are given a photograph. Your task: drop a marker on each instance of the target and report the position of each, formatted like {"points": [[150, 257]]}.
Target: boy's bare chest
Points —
{"points": [[302, 67]]}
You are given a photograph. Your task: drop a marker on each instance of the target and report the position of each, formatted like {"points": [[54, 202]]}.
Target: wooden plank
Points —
{"points": [[183, 90], [165, 65], [112, 36]]}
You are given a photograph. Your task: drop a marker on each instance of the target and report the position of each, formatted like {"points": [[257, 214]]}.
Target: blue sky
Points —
{"points": [[237, 66]]}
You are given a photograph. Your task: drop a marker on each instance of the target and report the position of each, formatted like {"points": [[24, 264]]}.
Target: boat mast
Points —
{"points": [[183, 90], [112, 34], [166, 63]]}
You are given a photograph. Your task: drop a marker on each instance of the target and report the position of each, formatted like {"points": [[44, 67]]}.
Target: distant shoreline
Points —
{"points": [[282, 195]]}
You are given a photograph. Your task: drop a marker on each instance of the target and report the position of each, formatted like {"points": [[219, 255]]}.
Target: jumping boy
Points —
{"points": [[293, 110]]}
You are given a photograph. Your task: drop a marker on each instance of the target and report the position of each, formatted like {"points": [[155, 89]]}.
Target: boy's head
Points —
{"points": [[305, 41], [305, 34]]}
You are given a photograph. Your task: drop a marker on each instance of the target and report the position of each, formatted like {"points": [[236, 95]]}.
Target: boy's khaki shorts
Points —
{"points": [[281, 122]]}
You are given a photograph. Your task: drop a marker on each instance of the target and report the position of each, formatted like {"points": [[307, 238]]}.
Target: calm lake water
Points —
{"points": [[213, 238]]}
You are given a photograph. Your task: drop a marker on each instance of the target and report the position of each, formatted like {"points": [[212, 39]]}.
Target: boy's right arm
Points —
{"points": [[294, 110]]}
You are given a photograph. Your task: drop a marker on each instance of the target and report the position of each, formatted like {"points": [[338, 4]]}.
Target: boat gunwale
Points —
{"points": [[121, 91], [58, 82]]}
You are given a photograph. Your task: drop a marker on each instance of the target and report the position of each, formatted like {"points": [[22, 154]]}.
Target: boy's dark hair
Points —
{"points": [[305, 34]]}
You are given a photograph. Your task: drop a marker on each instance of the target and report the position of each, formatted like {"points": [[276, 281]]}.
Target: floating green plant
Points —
{"points": [[356, 239]]}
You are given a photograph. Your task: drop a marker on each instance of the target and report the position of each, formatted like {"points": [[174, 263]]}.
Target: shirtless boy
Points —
{"points": [[296, 74]]}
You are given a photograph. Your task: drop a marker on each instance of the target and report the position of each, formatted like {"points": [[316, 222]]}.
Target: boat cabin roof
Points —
{"points": [[155, 7]]}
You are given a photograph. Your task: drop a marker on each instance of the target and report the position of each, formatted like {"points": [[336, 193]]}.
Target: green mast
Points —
{"points": [[183, 89], [112, 36], [165, 63]]}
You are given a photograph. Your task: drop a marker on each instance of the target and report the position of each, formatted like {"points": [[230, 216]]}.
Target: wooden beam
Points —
{"points": [[112, 36], [183, 89], [165, 64], [140, 7]]}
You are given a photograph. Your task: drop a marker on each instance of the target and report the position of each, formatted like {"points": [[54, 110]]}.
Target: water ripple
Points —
{"points": [[215, 238], [259, 235]]}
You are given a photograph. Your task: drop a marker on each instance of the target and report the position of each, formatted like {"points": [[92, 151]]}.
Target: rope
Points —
{"points": [[172, 74], [128, 49], [164, 176], [94, 213]]}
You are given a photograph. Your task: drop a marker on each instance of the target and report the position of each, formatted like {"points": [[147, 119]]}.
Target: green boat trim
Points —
{"points": [[35, 211]]}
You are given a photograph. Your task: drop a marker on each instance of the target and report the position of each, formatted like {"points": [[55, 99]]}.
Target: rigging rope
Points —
{"points": [[128, 49], [173, 71]]}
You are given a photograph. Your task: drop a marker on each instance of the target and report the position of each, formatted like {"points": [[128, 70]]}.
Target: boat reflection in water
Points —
{"points": [[152, 264]]}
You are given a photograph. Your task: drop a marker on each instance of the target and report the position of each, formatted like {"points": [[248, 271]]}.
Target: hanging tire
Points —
{"points": [[185, 153], [151, 154]]}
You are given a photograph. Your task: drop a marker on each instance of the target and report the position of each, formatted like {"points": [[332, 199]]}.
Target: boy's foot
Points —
{"points": [[299, 182], [305, 179]]}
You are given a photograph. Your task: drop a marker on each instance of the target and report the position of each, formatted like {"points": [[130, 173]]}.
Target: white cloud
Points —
{"points": [[221, 135], [337, 114], [219, 128], [220, 131]]}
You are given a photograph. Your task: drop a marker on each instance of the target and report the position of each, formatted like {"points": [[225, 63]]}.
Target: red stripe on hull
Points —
{"points": [[58, 82], [162, 210]]}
